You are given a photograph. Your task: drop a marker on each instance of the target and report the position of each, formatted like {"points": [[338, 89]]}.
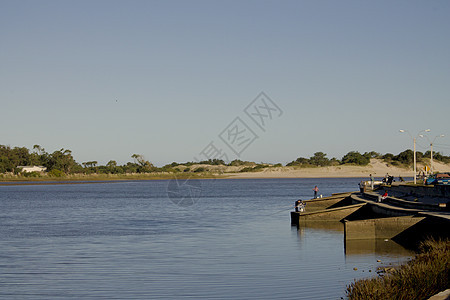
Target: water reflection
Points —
{"points": [[375, 246], [353, 247], [322, 225]]}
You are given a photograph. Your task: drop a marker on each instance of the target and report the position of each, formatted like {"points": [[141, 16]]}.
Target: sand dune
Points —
{"points": [[377, 168]]}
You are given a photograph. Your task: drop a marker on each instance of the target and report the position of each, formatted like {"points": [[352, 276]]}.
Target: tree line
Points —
{"points": [[405, 158], [61, 162]]}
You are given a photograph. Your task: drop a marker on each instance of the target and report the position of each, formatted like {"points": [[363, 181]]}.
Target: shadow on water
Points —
{"points": [[357, 247], [321, 225], [375, 246]]}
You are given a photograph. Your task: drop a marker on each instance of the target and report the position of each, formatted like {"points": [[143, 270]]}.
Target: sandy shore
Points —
{"points": [[377, 168]]}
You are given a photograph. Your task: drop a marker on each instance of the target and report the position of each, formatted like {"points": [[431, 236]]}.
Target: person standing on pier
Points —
{"points": [[315, 189], [371, 181]]}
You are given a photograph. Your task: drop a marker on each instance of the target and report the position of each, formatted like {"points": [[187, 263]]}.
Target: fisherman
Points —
{"points": [[315, 189], [390, 180], [299, 206]]}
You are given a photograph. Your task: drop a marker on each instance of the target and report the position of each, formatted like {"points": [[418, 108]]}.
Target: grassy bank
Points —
{"points": [[422, 277], [105, 177]]}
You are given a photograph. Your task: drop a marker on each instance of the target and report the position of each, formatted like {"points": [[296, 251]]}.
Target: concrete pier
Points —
{"points": [[364, 217], [380, 228], [334, 200], [331, 214]]}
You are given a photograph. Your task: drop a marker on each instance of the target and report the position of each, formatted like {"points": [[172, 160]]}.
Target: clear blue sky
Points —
{"points": [[108, 79]]}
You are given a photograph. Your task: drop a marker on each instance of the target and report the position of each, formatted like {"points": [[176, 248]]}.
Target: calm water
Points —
{"points": [[128, 240]]}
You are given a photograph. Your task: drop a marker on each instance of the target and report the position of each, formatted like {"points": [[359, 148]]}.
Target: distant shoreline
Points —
{"points": [[376, 168]]}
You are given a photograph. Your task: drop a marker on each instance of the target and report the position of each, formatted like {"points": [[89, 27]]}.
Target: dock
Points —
{"points": [[408, 214]]}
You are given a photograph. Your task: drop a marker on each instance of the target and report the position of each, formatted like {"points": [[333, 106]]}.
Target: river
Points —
{"points": [[200, 239]]}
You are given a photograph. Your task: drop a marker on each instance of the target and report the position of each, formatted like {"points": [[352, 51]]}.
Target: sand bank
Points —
{"points": [[377, 168]]}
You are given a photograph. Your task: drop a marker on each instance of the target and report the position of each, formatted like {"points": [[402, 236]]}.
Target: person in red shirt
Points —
{"points": [[385, 195]]}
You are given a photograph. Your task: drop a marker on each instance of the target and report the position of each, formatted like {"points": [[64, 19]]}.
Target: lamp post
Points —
{"points": [[431, 150], [414, 143]]}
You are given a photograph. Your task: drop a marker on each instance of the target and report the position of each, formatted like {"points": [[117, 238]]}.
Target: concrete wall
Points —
{"points": [[324, 203], [391, 212], [415, 205], [382, 228], [332, 214], [325, 215], [422, 191]]}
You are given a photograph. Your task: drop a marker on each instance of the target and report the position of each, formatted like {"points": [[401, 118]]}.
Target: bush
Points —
{"points": [[301, 161], [31, 174], [200, 169], [438, 156], [238, 162], [213, 162], [56, 173], [388, 157], [256, 168], [424, 276]]}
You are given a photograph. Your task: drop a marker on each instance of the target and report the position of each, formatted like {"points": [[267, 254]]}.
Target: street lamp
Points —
{"points": [[431, 150], [414, 143]]}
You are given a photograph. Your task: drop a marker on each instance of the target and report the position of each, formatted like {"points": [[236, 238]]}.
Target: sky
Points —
{"points": [[182, 80]]}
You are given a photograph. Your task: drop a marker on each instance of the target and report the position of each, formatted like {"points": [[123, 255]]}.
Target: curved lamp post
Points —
{"points": [[414, 143]]}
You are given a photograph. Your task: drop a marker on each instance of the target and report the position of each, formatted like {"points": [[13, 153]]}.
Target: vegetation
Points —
{"points": [[61, 163], [438, 156], [256, 168], [424, 276], [320, 160], [354, 157], [406, 157]]}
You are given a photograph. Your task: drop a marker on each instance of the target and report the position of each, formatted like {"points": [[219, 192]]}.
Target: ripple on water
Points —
{"points": [[128, 240]]}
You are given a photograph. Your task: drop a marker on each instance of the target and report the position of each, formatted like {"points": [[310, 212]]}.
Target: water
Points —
{"points": [[128, 240]]}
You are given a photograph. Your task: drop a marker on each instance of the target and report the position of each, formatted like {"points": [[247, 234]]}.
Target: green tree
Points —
{"points": [[406, 157], [111, 164], [144, 165], [354, 157], [61, 160], [372, 154], [301, 161], [319, 159], [111, 167], [40, 155], [10, 158], [130, 167]]}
